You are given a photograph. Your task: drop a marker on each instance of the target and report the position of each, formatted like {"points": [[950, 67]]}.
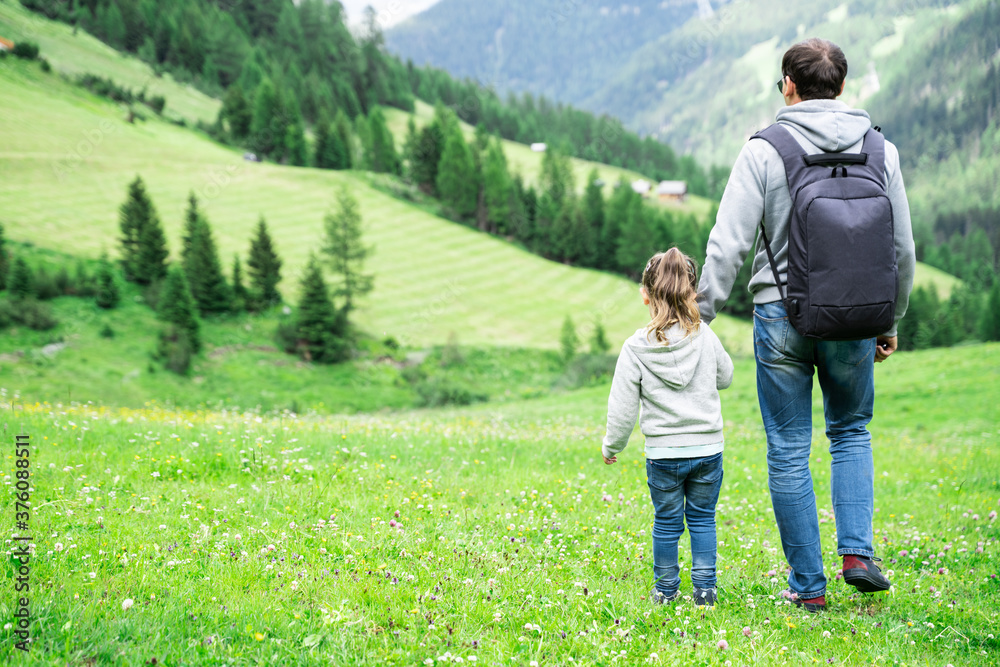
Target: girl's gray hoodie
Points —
{"points": [[677, 385]]}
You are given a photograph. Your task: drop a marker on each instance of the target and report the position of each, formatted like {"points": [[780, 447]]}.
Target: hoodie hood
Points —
{"points": [[830, 125], [674, 363]]}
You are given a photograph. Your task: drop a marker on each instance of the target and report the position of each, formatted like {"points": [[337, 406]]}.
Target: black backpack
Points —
{"points": [[842, 273]]}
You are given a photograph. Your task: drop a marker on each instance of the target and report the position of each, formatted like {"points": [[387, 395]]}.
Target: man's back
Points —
{"points": [[758, 190]]}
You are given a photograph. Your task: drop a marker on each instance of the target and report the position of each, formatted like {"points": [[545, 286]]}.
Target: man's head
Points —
{"points": [[816, 69]]}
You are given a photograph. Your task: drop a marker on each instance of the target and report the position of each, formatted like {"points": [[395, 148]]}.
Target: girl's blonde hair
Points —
{"points": [[671, 282]]}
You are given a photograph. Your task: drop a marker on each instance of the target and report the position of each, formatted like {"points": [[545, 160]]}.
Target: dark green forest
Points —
{"points": [[283, 68]]}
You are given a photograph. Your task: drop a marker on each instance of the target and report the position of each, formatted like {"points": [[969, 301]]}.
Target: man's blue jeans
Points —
{"points": [[785, 363], [679, 489]]}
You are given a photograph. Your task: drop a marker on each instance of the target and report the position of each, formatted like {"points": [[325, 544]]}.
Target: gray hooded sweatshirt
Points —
{"points": [[677, 385], [758, 190]]}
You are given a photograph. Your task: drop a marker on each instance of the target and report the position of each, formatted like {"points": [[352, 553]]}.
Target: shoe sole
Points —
{"points": [[865, 582], [811, 608]]}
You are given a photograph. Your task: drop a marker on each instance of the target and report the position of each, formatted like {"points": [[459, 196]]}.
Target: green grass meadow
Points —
{"points": [[492, 535], [268, 511]]}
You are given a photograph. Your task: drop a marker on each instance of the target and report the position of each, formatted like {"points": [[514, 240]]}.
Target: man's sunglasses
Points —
{"points": [[781, 84]]}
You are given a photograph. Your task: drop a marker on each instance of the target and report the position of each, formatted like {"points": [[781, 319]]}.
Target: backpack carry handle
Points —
{"points": [[836, 159]]}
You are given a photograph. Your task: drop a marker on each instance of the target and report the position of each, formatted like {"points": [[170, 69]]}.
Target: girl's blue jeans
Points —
{"points": [[785, 365], [684, 489]]}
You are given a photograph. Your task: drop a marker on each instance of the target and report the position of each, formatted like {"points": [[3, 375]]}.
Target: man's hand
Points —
{"points": [[607, 461], [884, 346]]}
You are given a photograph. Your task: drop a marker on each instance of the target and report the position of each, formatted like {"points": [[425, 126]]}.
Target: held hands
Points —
{"points": [[607, 461], [884, 346]]}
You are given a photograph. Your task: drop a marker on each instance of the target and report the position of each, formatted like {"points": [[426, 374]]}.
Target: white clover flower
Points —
{"points": [[127, 604]]}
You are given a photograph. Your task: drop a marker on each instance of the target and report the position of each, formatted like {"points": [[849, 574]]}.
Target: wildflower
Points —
{"points": [[127, 604], [58, 546], [747, 631], [723, 645], [258, 636], [826, 634]]}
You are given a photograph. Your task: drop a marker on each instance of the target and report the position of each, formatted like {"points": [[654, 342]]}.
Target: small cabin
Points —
{"points": [[538, 147], [672, 191]]}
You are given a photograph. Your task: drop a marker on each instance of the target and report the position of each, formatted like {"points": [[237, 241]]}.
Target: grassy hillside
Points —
{"points": [[67, 157], [207, 538], [528, 163], [79, 53]]}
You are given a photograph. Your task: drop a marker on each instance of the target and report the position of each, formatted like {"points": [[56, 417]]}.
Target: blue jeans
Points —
{"points": [[682, 488], [785, 363]]}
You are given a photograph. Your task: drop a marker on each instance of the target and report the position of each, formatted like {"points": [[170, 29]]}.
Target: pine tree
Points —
{"points": [[637, 242], [455, 184], [4, 260], [153, 253], [318, 327], [241, 296], [322, 144], [200, 260], [556, 179], [143, 243], [410, 147], [21, 285], [342, 128], [362, 128], [384, 158], [568, 340], [264, 267], [427, 156], [266, 106], [177, 307], [599, 340], [346, 251], [294, 138], [496, 187], [113, 25], [989, 321], [108, 293], [237, 112], [330, 152], [593, 204]]}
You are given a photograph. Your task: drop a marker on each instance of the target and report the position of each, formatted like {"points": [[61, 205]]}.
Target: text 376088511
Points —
{"points": [[22, 541]]}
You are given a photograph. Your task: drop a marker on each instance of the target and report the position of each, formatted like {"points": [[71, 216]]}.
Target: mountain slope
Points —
{"points": [[433, 277], [566, 49]]}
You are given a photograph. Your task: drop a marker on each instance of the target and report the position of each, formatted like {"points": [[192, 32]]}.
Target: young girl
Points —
{"points": [[674, 368]]}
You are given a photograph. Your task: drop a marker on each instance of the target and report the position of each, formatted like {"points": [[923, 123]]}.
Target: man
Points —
{"points": [[813, 74]]}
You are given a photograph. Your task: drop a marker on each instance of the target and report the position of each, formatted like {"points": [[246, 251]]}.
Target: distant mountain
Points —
{"points": [[699, 75], [567, 49]]}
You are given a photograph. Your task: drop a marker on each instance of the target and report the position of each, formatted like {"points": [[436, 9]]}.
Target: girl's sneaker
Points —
{"points": [[661, 598], [705, 596]]}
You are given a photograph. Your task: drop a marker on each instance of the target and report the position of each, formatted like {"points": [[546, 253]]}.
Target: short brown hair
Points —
{"points": [[817, 67]]}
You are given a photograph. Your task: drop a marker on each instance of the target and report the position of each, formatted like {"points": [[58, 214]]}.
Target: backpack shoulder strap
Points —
{"points": [[874, 146], [788, 148]]}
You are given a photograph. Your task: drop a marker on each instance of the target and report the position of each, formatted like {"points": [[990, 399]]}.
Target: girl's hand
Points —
{"points": [[607, 461]]}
